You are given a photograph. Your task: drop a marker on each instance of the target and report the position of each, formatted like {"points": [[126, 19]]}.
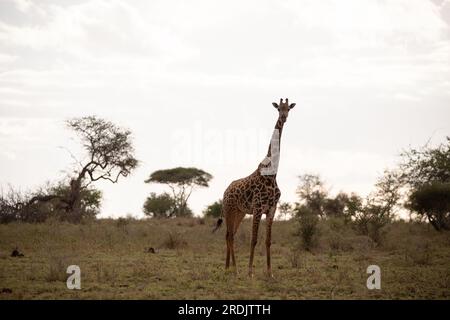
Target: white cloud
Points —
{"points": [[404, 96], [6, 59], [92, 29]]}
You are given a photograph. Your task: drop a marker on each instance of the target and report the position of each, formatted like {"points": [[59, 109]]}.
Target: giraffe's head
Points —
{"points": [[283, 109]]}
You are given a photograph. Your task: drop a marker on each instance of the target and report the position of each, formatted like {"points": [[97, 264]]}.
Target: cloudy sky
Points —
{"points": [[194, 81]]}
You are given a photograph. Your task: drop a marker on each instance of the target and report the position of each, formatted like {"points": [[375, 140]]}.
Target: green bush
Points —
{"points": [[307, 227], [433, 201], [371, 224], [159, 206], [214, 210]]}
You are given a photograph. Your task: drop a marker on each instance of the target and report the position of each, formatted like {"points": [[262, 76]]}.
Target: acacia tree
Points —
{"points": [[426, 173], [109, 156], [181, 181]]}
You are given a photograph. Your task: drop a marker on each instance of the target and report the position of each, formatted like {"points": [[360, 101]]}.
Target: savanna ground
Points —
{"points": [[189, 261]]}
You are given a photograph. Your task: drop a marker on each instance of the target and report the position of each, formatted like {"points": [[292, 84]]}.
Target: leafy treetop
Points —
{"points": [[109, 147], [181, 176]]}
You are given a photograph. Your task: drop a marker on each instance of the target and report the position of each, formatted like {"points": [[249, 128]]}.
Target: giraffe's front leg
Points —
{"points": [[256, 219], [269, 220]]}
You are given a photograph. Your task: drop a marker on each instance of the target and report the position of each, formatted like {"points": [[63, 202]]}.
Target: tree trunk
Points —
{"points": [[74, 208]]}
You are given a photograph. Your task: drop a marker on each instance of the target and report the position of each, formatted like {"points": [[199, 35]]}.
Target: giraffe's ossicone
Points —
{"points": [[256, 194]]}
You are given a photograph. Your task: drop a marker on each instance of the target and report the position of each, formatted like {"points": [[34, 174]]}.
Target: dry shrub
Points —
{"points": [[185, 221], [294, 258], [362, 243], [105, 274], [57, 269], [122, 224], [174, 240], [338, 242], [192, 222], [373, 226], [339, 234], [200, 275], [419, 253]]}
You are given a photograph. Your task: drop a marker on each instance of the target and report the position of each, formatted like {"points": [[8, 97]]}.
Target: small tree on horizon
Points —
{"points": [[285, 209], [181, 181], [425, 172], [214, 210], [433, 201], [312, 193]]}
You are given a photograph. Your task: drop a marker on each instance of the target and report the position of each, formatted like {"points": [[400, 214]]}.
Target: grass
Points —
{"points": [[188, 262]]}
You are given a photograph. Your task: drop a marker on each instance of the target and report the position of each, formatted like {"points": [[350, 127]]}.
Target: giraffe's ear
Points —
{"points": [[292, 105], [275, 105]]}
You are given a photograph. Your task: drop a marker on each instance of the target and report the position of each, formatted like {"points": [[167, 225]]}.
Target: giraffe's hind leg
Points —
{"points": [[230, 218], [237, 221], [233, 258], [227, 239], [240, 216], [227, 261]]}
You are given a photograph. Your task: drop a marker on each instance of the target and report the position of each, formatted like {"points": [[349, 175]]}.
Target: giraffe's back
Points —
{"points": [[242, 194]]}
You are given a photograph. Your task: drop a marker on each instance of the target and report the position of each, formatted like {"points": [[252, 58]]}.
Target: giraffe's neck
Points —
{"points": [[276, 131], [269, 166]]}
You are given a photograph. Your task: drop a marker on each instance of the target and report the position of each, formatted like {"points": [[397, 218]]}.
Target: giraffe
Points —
{"points": [[256, 194]]}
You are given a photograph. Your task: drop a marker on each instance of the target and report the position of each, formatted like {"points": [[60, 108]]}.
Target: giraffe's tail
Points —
{"points": [[218, 224]]}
